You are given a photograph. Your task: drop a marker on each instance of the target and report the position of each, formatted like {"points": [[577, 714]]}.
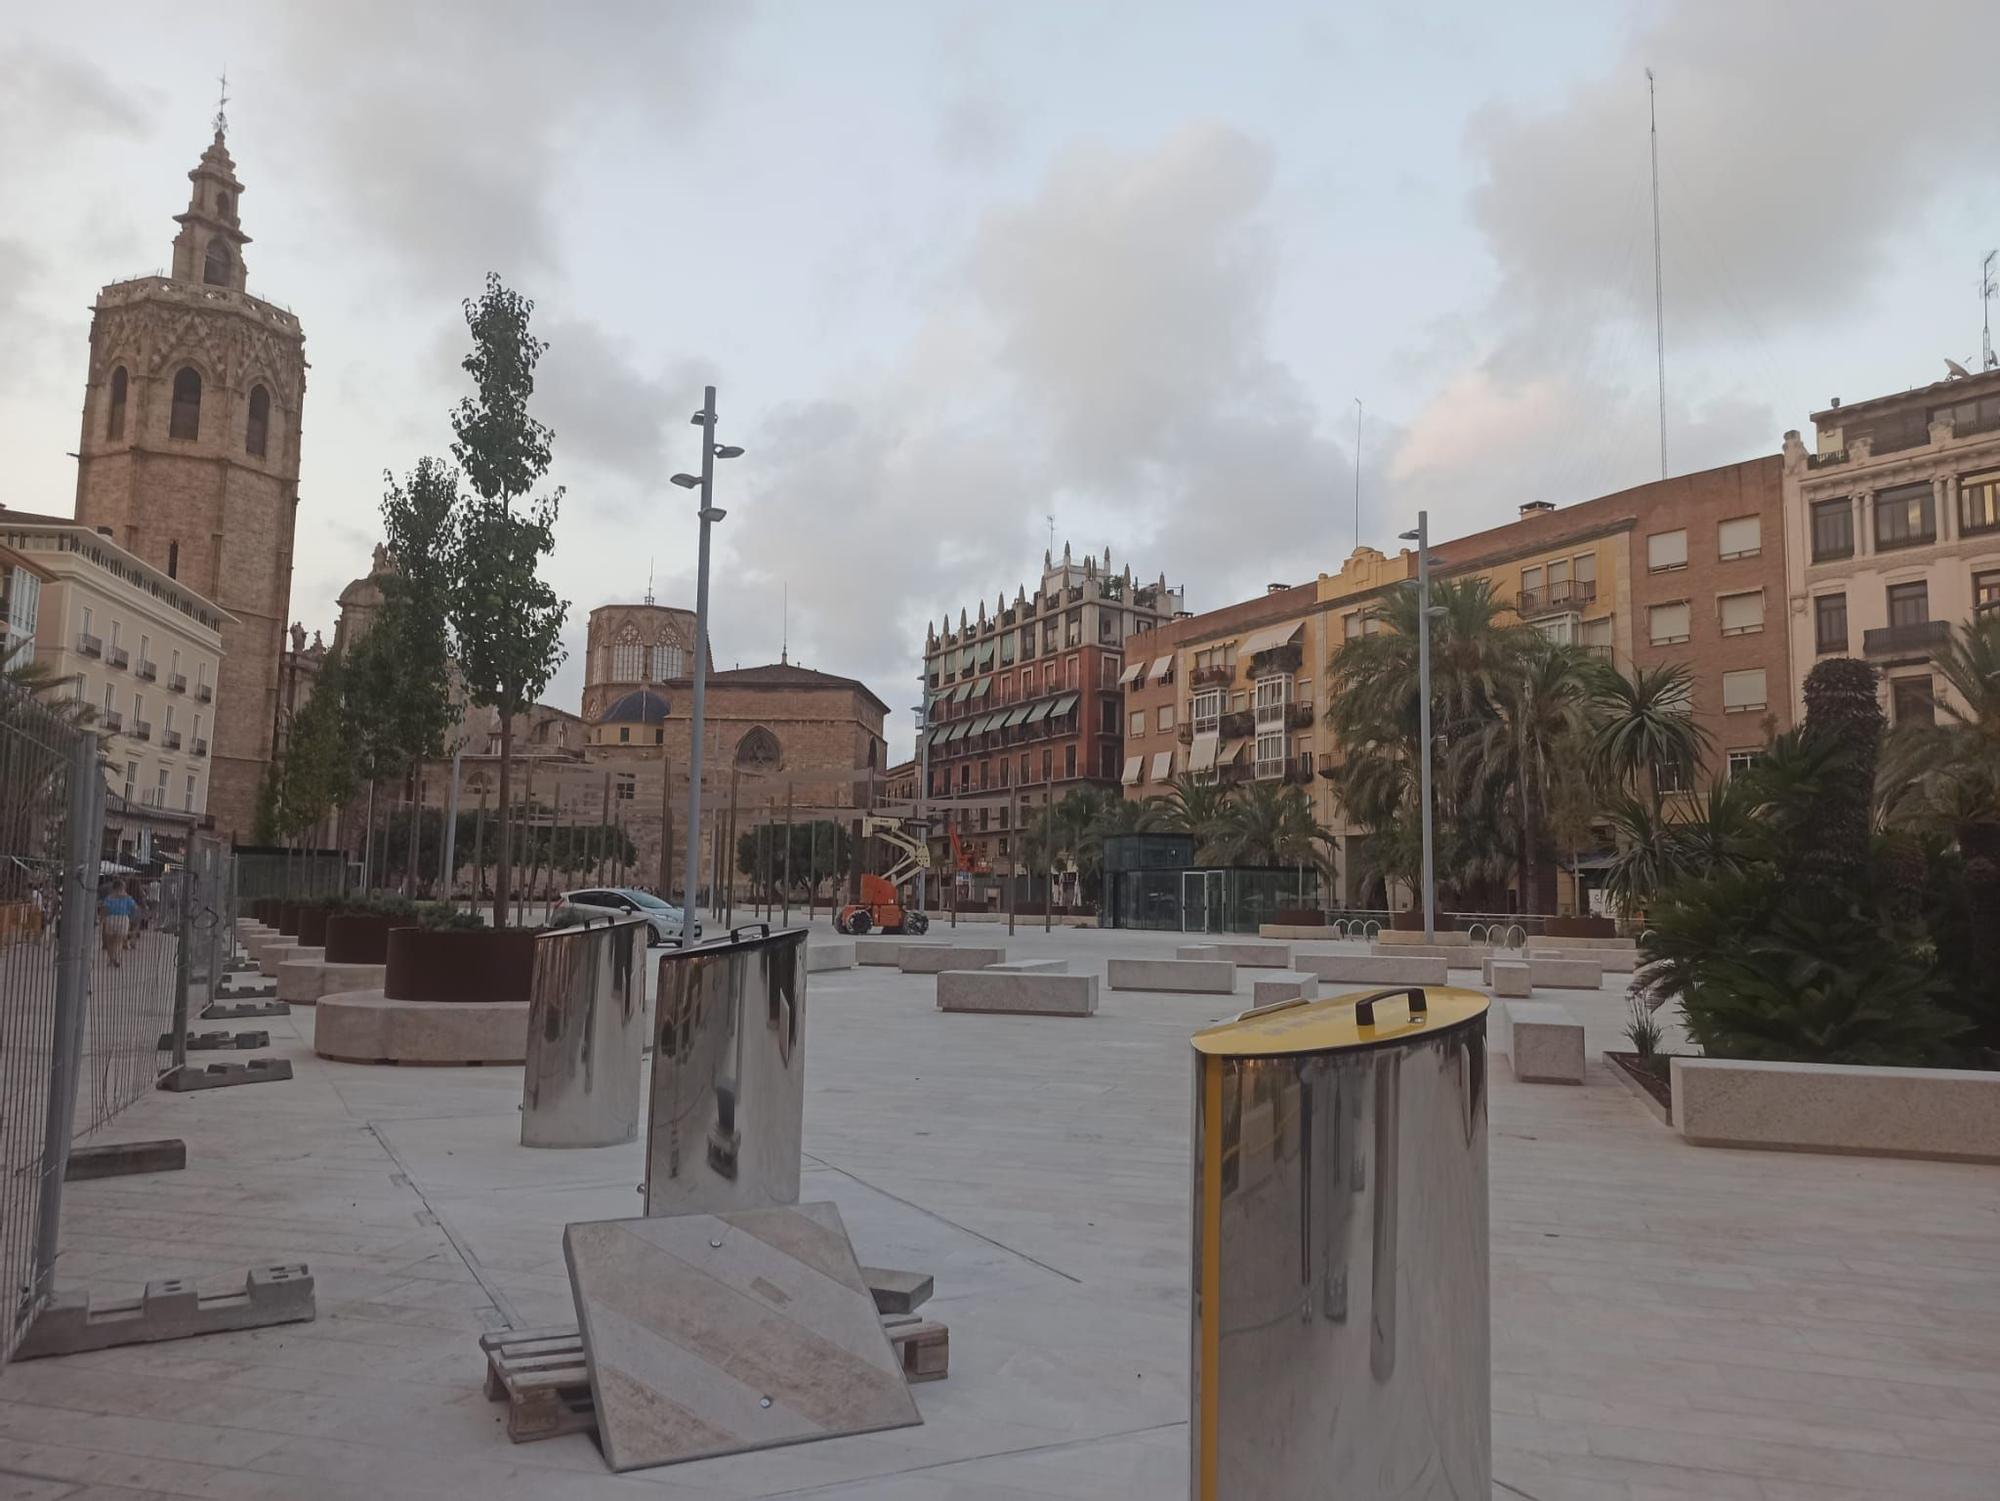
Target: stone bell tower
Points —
{"points": [[190, 458]]}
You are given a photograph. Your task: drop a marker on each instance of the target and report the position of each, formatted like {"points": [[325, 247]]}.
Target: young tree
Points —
{"points": [[507, 621]]}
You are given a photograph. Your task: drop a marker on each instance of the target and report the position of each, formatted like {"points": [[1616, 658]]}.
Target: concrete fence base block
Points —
{"points": [[1189, 976], [169, 1309], [1017, 992], [118, 1159], [1245, 955], [1376, 969], [935, 959], [210, 1042], [820, 957], [187, 1079], [225, 1013], [1268, 990], [1547, 1043]]}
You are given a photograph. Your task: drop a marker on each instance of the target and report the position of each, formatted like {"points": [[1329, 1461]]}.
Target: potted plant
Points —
{"points": [[453, 956]]}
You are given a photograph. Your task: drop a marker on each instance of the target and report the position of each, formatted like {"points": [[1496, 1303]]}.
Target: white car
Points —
{"points": [[664, 918]]}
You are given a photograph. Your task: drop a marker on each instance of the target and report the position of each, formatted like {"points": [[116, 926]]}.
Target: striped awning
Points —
{"points": [[964, 692], [1041, 710], [1016, 715], [979, 688], [1160, 669], [1132, 673], [1271, 636], [958, 730], [1063, 705]]}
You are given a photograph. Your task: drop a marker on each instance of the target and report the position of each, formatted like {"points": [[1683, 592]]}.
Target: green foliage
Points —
{"points": [[1269, 823], [1643, 1029], [443, 917], [1196, 808], [820, 851], [1645, 723], [1842, 711]]}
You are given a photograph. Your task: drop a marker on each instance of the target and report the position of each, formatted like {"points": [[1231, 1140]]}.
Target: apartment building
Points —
{"points": [[1893, 533], [1025, 701], [146, 652], [20, 606]]}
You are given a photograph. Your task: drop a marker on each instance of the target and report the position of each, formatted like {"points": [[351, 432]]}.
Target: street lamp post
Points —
{"points": [[923, 774], [709, 514], [1422, 537]]}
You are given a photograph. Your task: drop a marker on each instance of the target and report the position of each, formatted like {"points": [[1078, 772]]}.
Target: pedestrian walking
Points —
{"points": [[117, 912]]}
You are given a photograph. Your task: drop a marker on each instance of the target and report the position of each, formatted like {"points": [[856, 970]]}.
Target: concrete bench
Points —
{"points": [[923, 959], [832, 954], [1189, 976], [1610, 961], [1509, 977], [1547, 1043], [275, 954], [1033, 967], [1446, 937], [1377, 969], [1457, 955], [1947, 1113], [889, 951], [1556, 974], [1268, 990], [1248, 955], [1017, 992], [304, 981]]}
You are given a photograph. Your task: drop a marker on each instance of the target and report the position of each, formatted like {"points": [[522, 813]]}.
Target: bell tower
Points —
{"points": [[189, 457]]}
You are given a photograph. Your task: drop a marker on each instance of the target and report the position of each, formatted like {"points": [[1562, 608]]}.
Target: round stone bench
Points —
{"points": [[364, 1026], [304, 981], [276, 954]]}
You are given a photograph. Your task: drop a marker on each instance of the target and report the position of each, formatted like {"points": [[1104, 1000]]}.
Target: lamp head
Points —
{"points": [[687, 481], [713, 513], [1406, 536], [728, 451]]}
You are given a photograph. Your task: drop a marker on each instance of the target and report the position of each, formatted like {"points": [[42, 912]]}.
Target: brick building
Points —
{"points": [[1025, 700], [189, 457], [1893, 532]]}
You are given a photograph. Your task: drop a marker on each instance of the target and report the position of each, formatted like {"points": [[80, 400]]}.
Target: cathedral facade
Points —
{"points": [[189, 457]]}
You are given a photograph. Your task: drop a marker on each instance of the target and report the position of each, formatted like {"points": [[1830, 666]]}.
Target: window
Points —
{"points": [[160, 790], [185, 421], [1979, 502], [1350, 626], [1594, 636], [1206, 710], [1272, 694], [1985, 596], [1981, 415], [1906, 516], [1832, 529], [114, 418], [131, 778], [110, 698], [1912, 701], [173, 560], [117, 629], [222, 203], [1107, 716], [1665, 550], [1559, 579], [1006, 767], [189, 805], [1027, 642], [168, 726], [1743, 691], [1108, 670], [197, 728], [1586, 571], [628, 663], [1166, 716], [627, 788], [1073, 672], [1025, 772], [1669, 624], [667, 663], [624, 735], [1742, 614], [174, 671], [1531, 587], [1073, 628], [258, 426], [1739, 537], [1107, 762], [138, 708], [215, 265], [201, 678], [1069, 761], [1136, 723], [1909, 604], [1670, 776], [1049, 762], [145, 651], [1830, 623], [86, 620], [1270, 753], [1741, 761]]}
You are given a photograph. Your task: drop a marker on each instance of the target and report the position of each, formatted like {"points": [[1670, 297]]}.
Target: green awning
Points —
{"points": [[1041, 710], [958, 730], [986, 654], [1063, 705], [964, 692], [979, 688], [1016, 716]]}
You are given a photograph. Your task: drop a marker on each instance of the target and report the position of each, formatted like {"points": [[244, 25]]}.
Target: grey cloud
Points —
{"points": [[51, 94], [609, 414], [977, 131]]}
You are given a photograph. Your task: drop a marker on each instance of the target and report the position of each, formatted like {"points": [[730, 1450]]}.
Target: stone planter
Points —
{"points": [[1947, 1113], [442, 964], [312, 926], [360, 937], [1580, 927]]}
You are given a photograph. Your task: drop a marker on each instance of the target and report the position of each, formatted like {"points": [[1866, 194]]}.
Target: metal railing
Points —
{"points": [[1919, 635]]}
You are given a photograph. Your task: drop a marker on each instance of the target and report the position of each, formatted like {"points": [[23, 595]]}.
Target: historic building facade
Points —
{"points": [[189, 458], [1893, 533]]}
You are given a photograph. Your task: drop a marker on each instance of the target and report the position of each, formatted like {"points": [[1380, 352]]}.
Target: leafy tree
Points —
{"points": [[1194, 807], [506, 620], [1270, 823]]}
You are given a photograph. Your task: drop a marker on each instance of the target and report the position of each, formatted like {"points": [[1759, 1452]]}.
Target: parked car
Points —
{"points": [[664, 918]]}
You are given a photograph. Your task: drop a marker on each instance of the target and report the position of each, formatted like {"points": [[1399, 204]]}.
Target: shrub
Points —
{"points": [[443, 917]]}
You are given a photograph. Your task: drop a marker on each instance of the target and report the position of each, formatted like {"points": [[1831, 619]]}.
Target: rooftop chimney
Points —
{"points": [[1537, 507], [1836, 401], [1276, 588]]}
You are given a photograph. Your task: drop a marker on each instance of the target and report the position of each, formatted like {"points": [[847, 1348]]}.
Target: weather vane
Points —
{"points": [[222, 103]]}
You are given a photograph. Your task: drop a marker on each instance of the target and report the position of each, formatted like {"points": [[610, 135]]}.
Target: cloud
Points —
{"points": [[611, 416], [52, 94], [977, 132]]}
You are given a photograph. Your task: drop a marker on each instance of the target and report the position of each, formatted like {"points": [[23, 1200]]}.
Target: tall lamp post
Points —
{"points": [[923, 773], [709, 514], [1422, 537]]}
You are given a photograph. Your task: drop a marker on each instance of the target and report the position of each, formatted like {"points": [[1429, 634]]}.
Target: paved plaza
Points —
{"points": [[1670, 1323]]}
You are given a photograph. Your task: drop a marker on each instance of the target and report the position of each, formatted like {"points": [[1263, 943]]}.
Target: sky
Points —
{"points": [[969, 276]]}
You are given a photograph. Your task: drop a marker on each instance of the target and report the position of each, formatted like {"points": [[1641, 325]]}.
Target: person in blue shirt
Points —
{"points": [[116, 911]]}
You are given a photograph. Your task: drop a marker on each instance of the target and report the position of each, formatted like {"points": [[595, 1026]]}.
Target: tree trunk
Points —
{"points": [[503, 860]]}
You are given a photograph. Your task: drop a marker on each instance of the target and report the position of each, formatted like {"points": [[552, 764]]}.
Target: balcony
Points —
{"points": [[150, 671], [1919, 636], [203, 693], [1287, 659], [89, 645], [1185, 734], [117, 656], [113, 721], [1237, 725], [1299, 716], [201, 747], [141, 730], [1206, 677], [1235, 774], [171, 739], [178, 683], [1568, 595]]}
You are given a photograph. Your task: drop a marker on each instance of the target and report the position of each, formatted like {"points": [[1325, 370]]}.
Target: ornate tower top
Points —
{"points": [[209, 248]]}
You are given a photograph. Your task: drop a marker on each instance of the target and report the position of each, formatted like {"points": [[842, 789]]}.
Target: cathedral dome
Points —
{"points": [[639, 707]]}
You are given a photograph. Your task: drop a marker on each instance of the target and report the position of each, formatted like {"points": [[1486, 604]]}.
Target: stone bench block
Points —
{"points": [[1610, 961], [1034, 966], [1547, 1043], [1293, 930], [918, 959], [1377, 969], [275, 954], [365, 1027], [304, 981], [889, 951], [1248, 955], [837, 954], [1446, 937], [1555, 974], [1944, 1113], [1189, 976], [1456, 955], [1268, 990], [1510, 977], [1017, 992]]}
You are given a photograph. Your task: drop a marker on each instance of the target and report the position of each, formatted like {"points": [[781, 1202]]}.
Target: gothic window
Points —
{"points": [[222, 202], [255, 431], [186, 419], [628, 662], [114, 422], [215, 265], [758, 751], [666, 664]]}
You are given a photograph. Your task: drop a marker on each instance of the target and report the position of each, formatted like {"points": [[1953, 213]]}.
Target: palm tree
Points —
{"points": [[1197, 808], [1268, 823], [1647, 723], [1945, 778]]}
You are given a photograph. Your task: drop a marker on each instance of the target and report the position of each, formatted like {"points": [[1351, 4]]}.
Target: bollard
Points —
{"points": [[727, 1102], [586, 1037], [1341, 1328]]}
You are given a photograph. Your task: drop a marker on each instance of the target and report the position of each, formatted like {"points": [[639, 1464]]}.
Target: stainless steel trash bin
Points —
{"points": [[1341, 1325], [586, 1037], [728, 1094]]}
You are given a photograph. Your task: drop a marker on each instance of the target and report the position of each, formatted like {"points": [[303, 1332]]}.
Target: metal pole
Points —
{"points": [[1659, 286], [667, 826], [788, 855], [1424, 714], [726, 855], [923, 772], [182, 962], [451, 828], [604, 817], [705, 420], [479, 848], [1049, 860], [1013, 859], [74, 925], [368, 841]]}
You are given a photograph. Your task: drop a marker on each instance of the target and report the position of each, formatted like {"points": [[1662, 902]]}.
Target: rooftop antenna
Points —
{"points": [[785, 626], [1659, 293], [222, 103], [1987, 359], [1357, 474], [1052, 531], [649, 581]]}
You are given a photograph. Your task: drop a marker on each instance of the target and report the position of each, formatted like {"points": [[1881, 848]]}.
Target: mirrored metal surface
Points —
{"points": [[1344, 1195], [728, 1094], [586, 1037]]}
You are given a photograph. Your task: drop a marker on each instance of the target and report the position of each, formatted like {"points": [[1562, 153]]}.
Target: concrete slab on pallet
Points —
{"points": [[719, 1334], [1188, 976], [169, 1309], [1017, 992], [192, 1077]]}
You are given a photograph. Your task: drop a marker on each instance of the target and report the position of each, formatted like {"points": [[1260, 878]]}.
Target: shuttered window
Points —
{"points": [[1667, 550], [1743, 690], [1740, 537], [1668, 623], [1742, 613]]}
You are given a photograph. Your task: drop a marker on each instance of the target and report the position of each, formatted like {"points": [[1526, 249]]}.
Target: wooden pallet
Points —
{"points": [[544, 1378]]}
